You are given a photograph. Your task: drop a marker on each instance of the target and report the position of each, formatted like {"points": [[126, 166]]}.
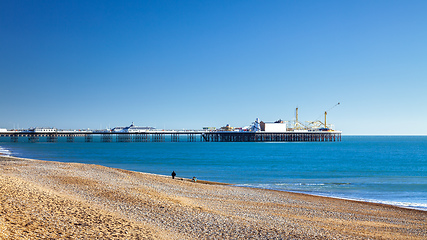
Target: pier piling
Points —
{"points": [[106, 138], [70, 138], [175, 137], [52, 138], [31, 138], [88, 138], [140, 138]]}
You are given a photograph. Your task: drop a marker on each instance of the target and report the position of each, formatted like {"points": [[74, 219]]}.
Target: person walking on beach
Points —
{"points": [[173, 174]]}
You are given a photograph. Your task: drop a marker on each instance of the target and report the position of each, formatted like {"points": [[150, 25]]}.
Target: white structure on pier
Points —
{"points": [[132, 129], [256, 126], [42, 130], [276, 127]]}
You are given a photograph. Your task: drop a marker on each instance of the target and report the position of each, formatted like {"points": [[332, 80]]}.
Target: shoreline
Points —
{"points": [[239, 185], [375, 202], [73, 200]]}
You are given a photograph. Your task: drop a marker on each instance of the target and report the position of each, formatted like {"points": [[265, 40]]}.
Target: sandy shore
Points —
{"points": [[42, 199]]}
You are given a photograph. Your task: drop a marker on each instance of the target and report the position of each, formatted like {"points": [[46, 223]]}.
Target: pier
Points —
{"points": [[176, 136]]}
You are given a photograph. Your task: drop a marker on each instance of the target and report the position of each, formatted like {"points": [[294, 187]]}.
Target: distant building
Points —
{"points": [[277, 126], [42, 130]]}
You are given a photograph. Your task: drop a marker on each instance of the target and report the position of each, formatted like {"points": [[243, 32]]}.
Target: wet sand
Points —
{"points": [[43, 199]]}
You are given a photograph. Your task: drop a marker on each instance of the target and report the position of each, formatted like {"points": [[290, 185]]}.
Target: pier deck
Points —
{"points": [[177, 136]]}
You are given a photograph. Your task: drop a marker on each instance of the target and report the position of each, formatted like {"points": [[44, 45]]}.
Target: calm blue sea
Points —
{"points": [[384, 169]]}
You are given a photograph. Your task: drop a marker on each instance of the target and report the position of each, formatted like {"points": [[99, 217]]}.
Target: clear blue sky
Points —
{"points": [[190, 64]]}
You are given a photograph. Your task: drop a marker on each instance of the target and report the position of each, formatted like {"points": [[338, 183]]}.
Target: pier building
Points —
{"points": [[42, 130], [277, 126], [132, 129]]}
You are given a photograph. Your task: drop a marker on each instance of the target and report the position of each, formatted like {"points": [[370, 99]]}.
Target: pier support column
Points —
{"points": [[204, 138], [32, 138], [123, 138], [14, 138], [70, 138], [158, 138], [140, 138], [88, 138], [106, 138], [191, 138], [52, 138], [174, 138]]}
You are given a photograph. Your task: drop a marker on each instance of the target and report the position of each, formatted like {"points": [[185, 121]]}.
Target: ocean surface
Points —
{"points": [[382, 169]]}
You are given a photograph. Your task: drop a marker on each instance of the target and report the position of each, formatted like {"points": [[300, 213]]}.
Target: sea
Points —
{"points": [[381, 169]]}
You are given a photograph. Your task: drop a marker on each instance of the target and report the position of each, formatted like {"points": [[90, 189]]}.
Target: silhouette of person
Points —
{"points": [[173, 174]]}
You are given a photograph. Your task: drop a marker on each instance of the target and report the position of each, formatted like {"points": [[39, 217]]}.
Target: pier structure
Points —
{"points": [[179, 136], [272, 137]]}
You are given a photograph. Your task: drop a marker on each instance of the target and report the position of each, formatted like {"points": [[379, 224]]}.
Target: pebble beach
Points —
{"points": [[46, 199]]}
